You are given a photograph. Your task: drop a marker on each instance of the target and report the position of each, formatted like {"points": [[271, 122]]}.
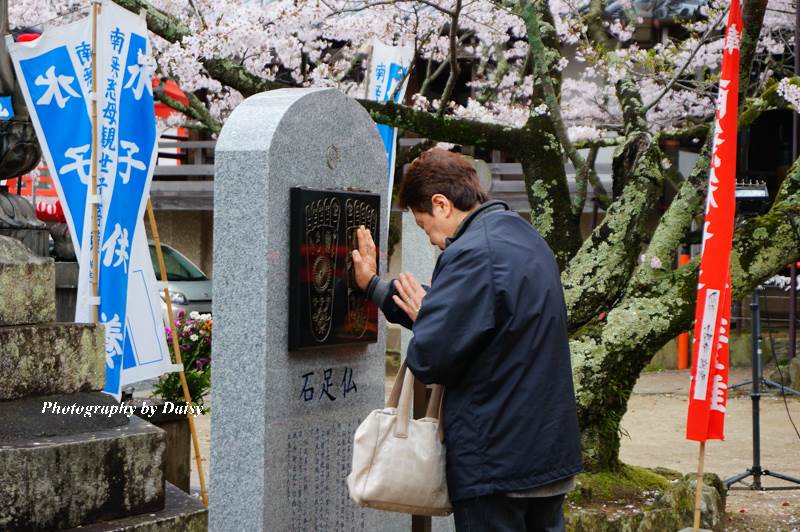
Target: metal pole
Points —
{"points": [[755, 393], [793, 304], [795, 132], [420, 523]]}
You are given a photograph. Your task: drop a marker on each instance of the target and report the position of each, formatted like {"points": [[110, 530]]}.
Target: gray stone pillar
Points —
{"points": [[282, 422], [419, 258]]}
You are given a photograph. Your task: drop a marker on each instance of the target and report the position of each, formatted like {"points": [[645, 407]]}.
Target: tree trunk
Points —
{"points": [[609, 354]]}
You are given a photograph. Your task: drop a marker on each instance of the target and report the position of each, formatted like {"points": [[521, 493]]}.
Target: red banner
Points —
{"points": [[708, 391]]}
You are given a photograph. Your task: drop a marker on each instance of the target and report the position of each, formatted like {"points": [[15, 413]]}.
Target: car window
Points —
{"points": [[178, 267]]}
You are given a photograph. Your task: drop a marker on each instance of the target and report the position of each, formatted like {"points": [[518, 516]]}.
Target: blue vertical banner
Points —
{"points": [[55, 74], [127, 156], [51, 71], [387, 81]]}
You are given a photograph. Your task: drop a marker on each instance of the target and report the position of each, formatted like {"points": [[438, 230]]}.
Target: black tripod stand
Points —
{"points": [[755, 394]]}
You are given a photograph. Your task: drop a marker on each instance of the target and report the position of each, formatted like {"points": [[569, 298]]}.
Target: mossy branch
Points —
{"points": [[196, 110], [633, 111], [753, 19], [674, 224], [598, 274], [163, 24], [548, 192]]}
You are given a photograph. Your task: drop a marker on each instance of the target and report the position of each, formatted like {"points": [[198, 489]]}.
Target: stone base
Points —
{"points": [[66, 290], [33, 418], [177, 458], [64, 481], [27, 283], [50, 359], [181, 513], [794, 373]]}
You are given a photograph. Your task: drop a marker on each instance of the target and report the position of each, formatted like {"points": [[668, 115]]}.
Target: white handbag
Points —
{"points": [[399, 463]]}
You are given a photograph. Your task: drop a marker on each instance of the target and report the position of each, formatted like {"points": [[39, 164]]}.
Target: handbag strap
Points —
{"points": [[435, 402], [394, 395], [404, 405]]}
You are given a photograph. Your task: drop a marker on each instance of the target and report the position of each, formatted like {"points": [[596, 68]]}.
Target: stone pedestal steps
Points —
{"points": [[181, 513], [61, 468]]}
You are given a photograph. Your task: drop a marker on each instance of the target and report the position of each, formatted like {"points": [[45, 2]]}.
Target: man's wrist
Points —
{"points": [[378, 290], [373, 280]]}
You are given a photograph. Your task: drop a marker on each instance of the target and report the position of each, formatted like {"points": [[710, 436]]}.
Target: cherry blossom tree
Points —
{"points": [[625, 296]]}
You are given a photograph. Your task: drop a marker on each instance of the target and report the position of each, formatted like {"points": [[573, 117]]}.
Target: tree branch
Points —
{"points": [[237, 77], [752, 18], [162, 24], [674, 224], [543, 59], [445, 128], [542, 161], [764, 245], [633, 112], [599, 143], [682, 69], [595, 23], [581, 181], [598, 274], [690, 133], [196, 110], [455, 70]]}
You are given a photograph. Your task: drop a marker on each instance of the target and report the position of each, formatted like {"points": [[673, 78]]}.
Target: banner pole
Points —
{"points": [[177, 352], [95, 206], [698, 494]]}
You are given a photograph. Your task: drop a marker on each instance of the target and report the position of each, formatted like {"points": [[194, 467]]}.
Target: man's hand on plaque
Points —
{"points": [[365, 258]]}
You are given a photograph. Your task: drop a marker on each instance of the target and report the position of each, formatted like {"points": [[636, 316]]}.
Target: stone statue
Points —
{"points": [[19, 150], [19, 154]]}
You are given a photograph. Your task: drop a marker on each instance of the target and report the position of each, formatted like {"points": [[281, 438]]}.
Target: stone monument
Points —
{"points": [[282, 420], [59, 466]]}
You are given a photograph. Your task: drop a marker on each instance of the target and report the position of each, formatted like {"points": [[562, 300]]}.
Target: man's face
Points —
{"points": [[440, 224]]}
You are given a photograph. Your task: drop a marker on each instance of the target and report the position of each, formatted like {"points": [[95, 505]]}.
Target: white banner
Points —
{"points": [[388, 81]]}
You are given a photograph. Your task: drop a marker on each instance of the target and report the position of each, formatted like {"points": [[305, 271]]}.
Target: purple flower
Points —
{"points": [[201, 363]]}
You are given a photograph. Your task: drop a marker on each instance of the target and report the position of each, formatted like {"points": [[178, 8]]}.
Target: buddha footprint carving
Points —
{"points": [[322, 235], [357, 214]]}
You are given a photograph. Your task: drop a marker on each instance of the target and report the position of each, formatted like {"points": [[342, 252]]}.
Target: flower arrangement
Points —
{"points": [[194, 341]]}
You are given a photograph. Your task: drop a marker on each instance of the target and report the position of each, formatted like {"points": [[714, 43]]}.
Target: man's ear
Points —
{"points": [[441, 201]]}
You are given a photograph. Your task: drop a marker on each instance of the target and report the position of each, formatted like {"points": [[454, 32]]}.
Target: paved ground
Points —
{"points": [[655, 424]]}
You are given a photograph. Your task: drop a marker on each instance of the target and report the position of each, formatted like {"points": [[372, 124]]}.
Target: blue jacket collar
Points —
{"points": [[477, 214]]}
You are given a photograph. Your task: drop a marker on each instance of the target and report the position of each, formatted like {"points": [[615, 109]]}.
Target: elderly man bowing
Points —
{"points": [[492, 328]]}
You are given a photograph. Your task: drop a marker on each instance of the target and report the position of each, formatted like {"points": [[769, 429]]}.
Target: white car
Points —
{"points": [[189, 287]]}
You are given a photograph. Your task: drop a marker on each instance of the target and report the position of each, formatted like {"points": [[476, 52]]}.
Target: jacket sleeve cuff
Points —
{"points": [[378, 290]]}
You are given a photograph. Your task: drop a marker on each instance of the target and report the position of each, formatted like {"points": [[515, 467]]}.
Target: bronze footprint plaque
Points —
{"points": [[325, 305]]}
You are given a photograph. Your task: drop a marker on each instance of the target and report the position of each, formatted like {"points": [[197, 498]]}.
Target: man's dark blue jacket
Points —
{"points": [[493, 329]]}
